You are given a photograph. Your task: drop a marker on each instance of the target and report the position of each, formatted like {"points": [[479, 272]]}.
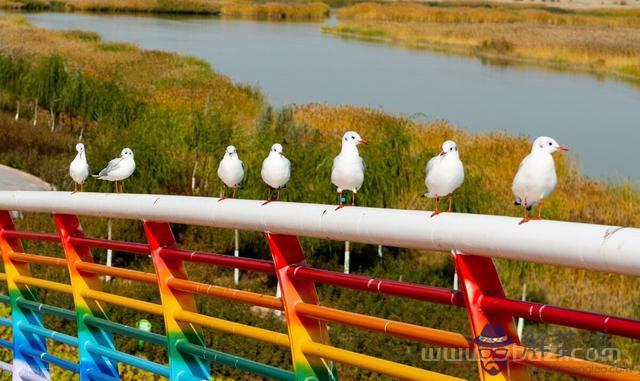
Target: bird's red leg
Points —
{"points": [[75, 187], [353, 198], [539, 210], [450, 203], [82, 187], [278, 194], [268, 196], [121, 186], [437, 211], [117, 191], [340, 202], [526, 214], [223, 193], [235, 192]]}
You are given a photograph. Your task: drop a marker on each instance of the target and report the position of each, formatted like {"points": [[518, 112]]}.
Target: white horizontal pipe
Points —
{"points": [[594, 247]]}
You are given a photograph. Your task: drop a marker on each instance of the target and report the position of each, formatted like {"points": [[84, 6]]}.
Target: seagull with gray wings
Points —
{"points": [[119, 169]]}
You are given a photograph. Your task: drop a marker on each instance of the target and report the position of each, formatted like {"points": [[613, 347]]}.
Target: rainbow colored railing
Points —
{"points": [[473, 240]]}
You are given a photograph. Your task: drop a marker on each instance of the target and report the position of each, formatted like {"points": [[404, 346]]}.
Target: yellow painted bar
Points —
{"points": [[233, 328], [49, 285], [116, 272], [38, 259], [375, 364], [123, 301]]}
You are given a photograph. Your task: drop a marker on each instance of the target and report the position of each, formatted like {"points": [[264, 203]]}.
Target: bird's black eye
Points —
{"points": [[550, 143], [353, 137], [451, 149]]}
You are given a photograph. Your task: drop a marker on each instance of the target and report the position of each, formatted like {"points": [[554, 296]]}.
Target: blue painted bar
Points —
{"points": [[47, 309], [6, 344], [6, 322], [125, 330], [49, 334], [128, 359], [51, 359], [95, 375], [235, 362]]}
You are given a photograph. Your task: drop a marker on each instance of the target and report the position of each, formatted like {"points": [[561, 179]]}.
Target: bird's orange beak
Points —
{"points": [[362, 141], [563, 148]]}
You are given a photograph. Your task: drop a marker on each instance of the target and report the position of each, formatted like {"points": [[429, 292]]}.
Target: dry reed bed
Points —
{"points": [[268, 11], [606, 44]]}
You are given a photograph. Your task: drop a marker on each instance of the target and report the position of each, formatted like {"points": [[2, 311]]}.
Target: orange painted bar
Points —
{"points": [[390, 327], [123, 301], [390, 368], [247, 297], [38, 259], [116, 272], [572, 366], [49, 285], [233, 328]]}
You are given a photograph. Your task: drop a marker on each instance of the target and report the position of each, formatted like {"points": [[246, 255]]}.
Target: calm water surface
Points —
{"points": [[295, 63]]}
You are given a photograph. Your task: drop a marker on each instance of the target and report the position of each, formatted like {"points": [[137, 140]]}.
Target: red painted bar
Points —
{"points": [[33, 236], [129, 247], [249, 264], [562, 316], [387, 287]]}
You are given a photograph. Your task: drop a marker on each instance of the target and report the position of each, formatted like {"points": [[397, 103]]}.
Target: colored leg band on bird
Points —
{"points": [[343, 199]]}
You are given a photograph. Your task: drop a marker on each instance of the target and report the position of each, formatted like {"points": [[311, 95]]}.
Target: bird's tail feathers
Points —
{"points": [[429, 195]]}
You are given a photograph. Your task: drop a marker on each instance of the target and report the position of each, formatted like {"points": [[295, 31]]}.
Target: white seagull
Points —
{"points": [[79, 168], [536, 176], [348, 167], [119, 169], [444, 174], [276, 171], [230, 171]]}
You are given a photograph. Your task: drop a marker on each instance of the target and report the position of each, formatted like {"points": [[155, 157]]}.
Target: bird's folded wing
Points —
{"points": [[113, 165], [430, 165]]}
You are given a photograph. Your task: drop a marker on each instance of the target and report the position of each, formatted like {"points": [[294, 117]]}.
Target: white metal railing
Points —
{"points": [[588, 246]]}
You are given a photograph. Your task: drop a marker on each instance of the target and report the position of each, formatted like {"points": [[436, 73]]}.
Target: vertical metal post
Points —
{"points": [[286, 251], [69, 226], [22, 364], [236, 253], [159, 235], [347, 256], [109, 251], [520, 326], [493, 333]]}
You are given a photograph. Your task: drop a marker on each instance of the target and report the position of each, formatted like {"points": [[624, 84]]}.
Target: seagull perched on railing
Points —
{"points": [[119, 169], [230, 171], [444, 174], [79, 168], [348, 167], [276, 171], [536, 176]]}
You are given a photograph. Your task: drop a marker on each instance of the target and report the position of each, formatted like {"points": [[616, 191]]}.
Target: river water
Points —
{"points": [[599, 119]]}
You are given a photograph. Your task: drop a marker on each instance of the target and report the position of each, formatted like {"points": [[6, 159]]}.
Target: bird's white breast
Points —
{"points": [[535, 179], [230, 171], [445, 175], [79, 169], [276, 170], [348, 171]]}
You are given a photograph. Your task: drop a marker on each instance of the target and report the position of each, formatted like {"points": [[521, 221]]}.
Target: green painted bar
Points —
{"points": [[5, 299], [47, 309], [236, 362], [125, 330]]}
